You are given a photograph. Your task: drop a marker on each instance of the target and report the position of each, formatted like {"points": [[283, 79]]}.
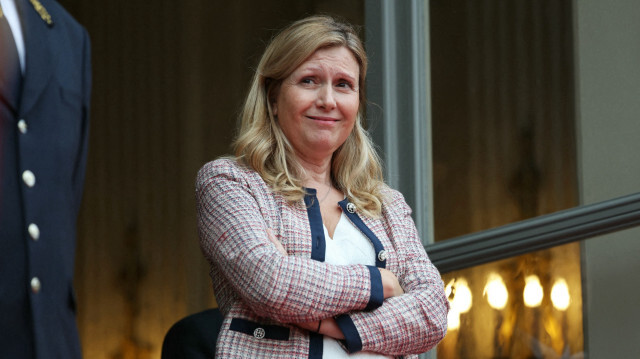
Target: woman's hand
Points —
{"points": [[329, 327], [390, 284]]}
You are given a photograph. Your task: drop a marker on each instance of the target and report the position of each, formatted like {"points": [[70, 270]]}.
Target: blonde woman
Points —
{"points": [[311, 254]]}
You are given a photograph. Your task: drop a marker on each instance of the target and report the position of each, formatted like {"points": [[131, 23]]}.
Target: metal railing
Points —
{"points": [[535, 234]]}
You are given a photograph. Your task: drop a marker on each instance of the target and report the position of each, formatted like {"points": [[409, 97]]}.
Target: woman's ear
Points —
{"points": [[274, 108]]}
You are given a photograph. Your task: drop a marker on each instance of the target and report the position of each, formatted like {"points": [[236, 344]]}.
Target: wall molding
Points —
{"points": [[537, 233]]}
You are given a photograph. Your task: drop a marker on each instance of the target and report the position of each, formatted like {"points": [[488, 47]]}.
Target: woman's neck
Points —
{"points": [[317, 172]]}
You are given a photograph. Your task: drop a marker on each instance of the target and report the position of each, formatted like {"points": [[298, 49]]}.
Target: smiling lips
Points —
{"points": [[323, 119]]}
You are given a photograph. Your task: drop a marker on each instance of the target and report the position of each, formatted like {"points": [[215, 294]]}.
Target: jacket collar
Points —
{"points": [[38, 55]]}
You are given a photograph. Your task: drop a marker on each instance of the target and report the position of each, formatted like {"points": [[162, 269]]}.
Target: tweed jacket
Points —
{"points": [[262, 294]]}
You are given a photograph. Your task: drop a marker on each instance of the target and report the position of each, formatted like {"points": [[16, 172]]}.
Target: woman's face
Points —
{"points": [[318, 103]]}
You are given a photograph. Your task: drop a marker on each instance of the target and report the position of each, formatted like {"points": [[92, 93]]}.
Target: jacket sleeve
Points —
{"points": [[414, 322], [81, 154], [288, 289]]}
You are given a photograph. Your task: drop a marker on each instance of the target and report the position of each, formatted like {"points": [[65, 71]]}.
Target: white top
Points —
{"points": [[348, 246], [11, 13]]}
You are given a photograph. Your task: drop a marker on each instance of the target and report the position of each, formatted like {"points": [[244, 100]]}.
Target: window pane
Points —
{"points": [[503, 112], [503, 127], [524, 307]]}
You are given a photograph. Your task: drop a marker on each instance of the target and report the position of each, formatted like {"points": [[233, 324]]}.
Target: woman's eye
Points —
{"points": [[307, 80], [345, 84]]}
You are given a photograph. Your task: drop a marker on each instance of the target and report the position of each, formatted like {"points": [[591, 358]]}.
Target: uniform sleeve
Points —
{"points": [[288, 289], [414, 322], [81, 154]]}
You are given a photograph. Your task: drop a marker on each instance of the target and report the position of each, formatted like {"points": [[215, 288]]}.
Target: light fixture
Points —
{"points": [[533, 291], [453, 319], [461, 300], [560, 295], [496, 291]]}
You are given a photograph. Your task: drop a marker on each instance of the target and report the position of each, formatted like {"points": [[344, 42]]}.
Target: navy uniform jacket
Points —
{"points": [[43, 149]]}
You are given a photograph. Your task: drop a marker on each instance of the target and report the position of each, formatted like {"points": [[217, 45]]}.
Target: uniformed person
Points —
{"points": [[44, 104]]}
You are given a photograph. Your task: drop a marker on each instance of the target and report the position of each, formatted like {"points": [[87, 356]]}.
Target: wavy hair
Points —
{"points": [[261, 144]]}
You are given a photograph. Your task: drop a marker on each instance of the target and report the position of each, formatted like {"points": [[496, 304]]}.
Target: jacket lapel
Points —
{"points": [[39, 62], [10, 76]]}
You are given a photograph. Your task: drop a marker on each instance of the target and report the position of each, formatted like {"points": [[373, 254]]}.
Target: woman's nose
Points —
{"points": [[326, 98]]}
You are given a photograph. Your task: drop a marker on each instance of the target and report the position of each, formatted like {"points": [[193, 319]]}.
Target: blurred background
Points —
{"points": [[528, 108], [169, 79]]}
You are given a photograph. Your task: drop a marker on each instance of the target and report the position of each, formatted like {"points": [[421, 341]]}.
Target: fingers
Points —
{"points": [[271, 236], [390, 284], [276, 242], [327, 326]]}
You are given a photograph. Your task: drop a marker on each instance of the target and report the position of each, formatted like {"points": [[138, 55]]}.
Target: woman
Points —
{"points": [[311, 254]]}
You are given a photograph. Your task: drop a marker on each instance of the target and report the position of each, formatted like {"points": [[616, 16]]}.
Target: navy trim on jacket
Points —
{"points": [[316, 346], [318, 250], [315, 222], [357, 221], [274, 332], [351, 336]]}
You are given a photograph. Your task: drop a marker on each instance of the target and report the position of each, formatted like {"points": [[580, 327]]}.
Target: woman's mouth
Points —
{"points": [[323, 118]]}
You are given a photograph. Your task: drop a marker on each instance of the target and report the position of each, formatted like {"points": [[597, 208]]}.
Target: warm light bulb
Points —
{"points": [[560, 295], [533, 292], [462, 298], [496, 291], [453, 320]]}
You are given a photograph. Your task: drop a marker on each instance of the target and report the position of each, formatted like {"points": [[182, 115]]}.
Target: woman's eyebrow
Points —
{"points": [[339, 73]]}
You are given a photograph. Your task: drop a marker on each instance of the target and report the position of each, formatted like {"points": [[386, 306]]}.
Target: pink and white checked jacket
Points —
{"points": [[261, 292]]}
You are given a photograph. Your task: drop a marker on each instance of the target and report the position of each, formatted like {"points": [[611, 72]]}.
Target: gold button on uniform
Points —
{"points": [[34, 231], [29, 178], [35, 285], [22, 126]]}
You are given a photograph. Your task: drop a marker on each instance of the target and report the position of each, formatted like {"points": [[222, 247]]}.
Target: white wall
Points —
{"points": [[608, 99]]}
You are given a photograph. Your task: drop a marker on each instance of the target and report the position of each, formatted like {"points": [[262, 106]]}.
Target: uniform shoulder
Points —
{"points": [[59, 13]]}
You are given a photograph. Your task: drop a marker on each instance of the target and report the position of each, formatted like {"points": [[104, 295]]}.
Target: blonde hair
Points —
{"points": [[261, 144]]}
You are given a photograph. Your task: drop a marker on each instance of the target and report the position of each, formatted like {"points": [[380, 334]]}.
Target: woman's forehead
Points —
{"points": [[335, 59]]}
